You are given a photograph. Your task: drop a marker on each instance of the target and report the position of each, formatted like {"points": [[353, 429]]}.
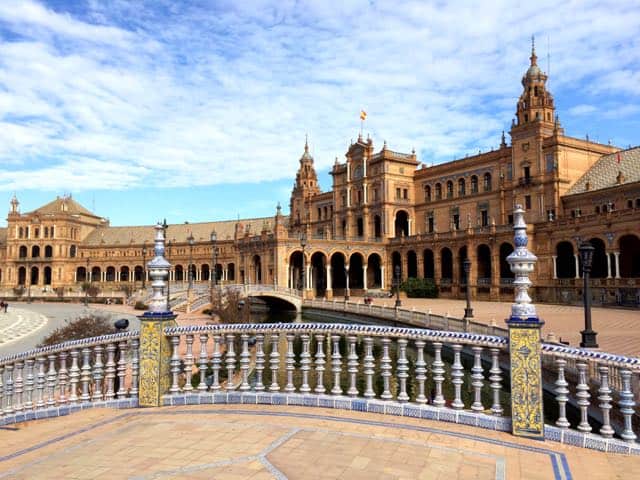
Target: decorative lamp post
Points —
{"points": [[303, 244], [29, 286], [168, 273], [87, 281], [468, 311], [144, 264], [396, 270], [191, 240], [586, 256], [165, 225], [213, 273], [346, 276]]}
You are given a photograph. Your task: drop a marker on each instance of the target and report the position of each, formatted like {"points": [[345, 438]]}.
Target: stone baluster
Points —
{"points": [[216, 362], [85, 374], [29, 384], [368, 367], [456, 378], [98, 373], [230, 361], [63, 378], [477, 380], [1, 391], [188, 363], [8, 391], [290, 364], [582, 394], [385, 367], [562, 394], [352, 366], [305, 362], [320, 362], [495, 377], [627, 405], [336, 365], [259, 386], [110, 372], [274, 363], [18, 387], [244, 363], [40, 382], [122, 368], [51, 381], [135, 367], [74, 376], [421, 371], [403, 370], [605, 402], [203, 362], [175, 364], [438, 374]]}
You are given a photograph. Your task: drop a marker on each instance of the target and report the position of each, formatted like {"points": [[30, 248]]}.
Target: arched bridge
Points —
{"points": [[272, 295]]}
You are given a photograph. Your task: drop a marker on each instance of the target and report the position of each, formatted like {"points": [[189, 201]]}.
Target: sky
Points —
{"points": [[198, 110]]}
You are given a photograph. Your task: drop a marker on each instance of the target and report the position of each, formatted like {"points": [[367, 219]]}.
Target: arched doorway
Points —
{"points": [[446, 264], [565, 260], [599, 262], [124, 274], [81, 274], [412, 264], [205, 272], [35, 276], [256, 264], [218, 272], [178, 273], [231, 272], [356, 280], [402, 224], [462, 256], [96, 274], [318, 274], [428, 263], [377, 226], [47, 275], [111, 274], [22, 276], [296, 275], [484, 264], [138, 272], [506, 275], [338, 272], [396, 261], [374, 271], [629, 256]]}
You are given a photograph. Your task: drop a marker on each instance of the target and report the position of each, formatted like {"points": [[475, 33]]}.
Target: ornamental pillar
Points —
{"points": [[364, 277], [616, 256], [555, 267], [577, 263], [608, 265]]}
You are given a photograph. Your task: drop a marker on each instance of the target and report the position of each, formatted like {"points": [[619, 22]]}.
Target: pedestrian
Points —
{"points": [[6, 305], [1, 304]]}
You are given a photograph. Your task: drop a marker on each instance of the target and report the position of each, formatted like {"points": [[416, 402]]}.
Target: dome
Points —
{"points": [[533, 71]]}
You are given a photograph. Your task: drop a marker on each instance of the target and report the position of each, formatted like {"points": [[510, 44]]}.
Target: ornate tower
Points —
{"points": [[15, 206], [306, 186]]}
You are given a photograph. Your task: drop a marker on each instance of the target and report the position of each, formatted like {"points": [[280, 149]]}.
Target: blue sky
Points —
{"points": [[197, 110]]}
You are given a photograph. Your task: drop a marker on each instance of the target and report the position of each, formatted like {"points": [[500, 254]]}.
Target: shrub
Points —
{"points": [[18, 291], [140, 305], [420, 288], [81, 327], [93, 291], [230, 307]]}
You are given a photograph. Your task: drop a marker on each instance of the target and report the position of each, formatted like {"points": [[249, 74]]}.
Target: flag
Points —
{"points": [[363, 115], [618, 157]]}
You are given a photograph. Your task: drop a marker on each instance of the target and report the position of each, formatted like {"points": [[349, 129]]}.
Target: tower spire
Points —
{"points": [[306, 143], [534, 57]]}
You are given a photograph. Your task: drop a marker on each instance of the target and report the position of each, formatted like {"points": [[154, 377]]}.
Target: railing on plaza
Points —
{"points": [[91, 370]]}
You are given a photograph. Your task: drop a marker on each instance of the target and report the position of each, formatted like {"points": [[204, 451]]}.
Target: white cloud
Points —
{"points": [[168, 93]]}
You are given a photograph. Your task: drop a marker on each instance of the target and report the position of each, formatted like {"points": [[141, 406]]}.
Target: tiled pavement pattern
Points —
{"points": [[263, 442], [17, 323]]}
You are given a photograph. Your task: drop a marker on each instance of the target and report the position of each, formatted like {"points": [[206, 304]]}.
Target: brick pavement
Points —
{"points": [[264, 442]]}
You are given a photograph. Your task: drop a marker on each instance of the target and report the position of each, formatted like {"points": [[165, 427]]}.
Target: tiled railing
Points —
{"points": [[73, 374]]}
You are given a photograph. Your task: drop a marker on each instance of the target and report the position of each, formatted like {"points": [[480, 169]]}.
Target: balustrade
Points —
{"points": [[70, 373]]}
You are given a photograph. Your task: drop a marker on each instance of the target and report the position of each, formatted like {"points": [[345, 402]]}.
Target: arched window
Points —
{"points": [[438, 191], [22, 252], [72, 251], [474, 184], [46, 232], [487, 182], [461, 188], [427, 193], [48, 251], [20, 232], [449, 189], [35, 251]]}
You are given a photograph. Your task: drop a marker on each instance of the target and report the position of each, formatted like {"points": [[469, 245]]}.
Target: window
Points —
{"points": [[461, 187], [438, 191], [427, 193], [20, 232], [629, 203], [484, 218], [456, 221], [398, 193], [474, 184], [51, 232], [36, 233], [319, 213], [527, 174], [527, 202], [72, 251], [46, 232], [487, 182], [510, 219], [549, 163], [430, 223], [551, 215], [597, 208], [509, 172], [449, 189], [359, 195], [405, 193], [375, 194]]}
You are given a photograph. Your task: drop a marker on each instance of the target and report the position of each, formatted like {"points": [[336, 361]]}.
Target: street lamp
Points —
{"points": [[303, 244], [29, 286], [144, 264], [214, 239], [190, 239], [88, 284], [588, 335], [397, 275], [169, 271], [346, 276], [468, 311]]}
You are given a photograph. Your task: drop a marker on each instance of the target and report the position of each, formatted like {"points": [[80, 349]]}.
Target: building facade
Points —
{"points": [[385, 213]]}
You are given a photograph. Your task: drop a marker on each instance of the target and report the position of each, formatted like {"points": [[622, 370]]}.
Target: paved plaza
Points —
{"points": [[267, 442]]}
